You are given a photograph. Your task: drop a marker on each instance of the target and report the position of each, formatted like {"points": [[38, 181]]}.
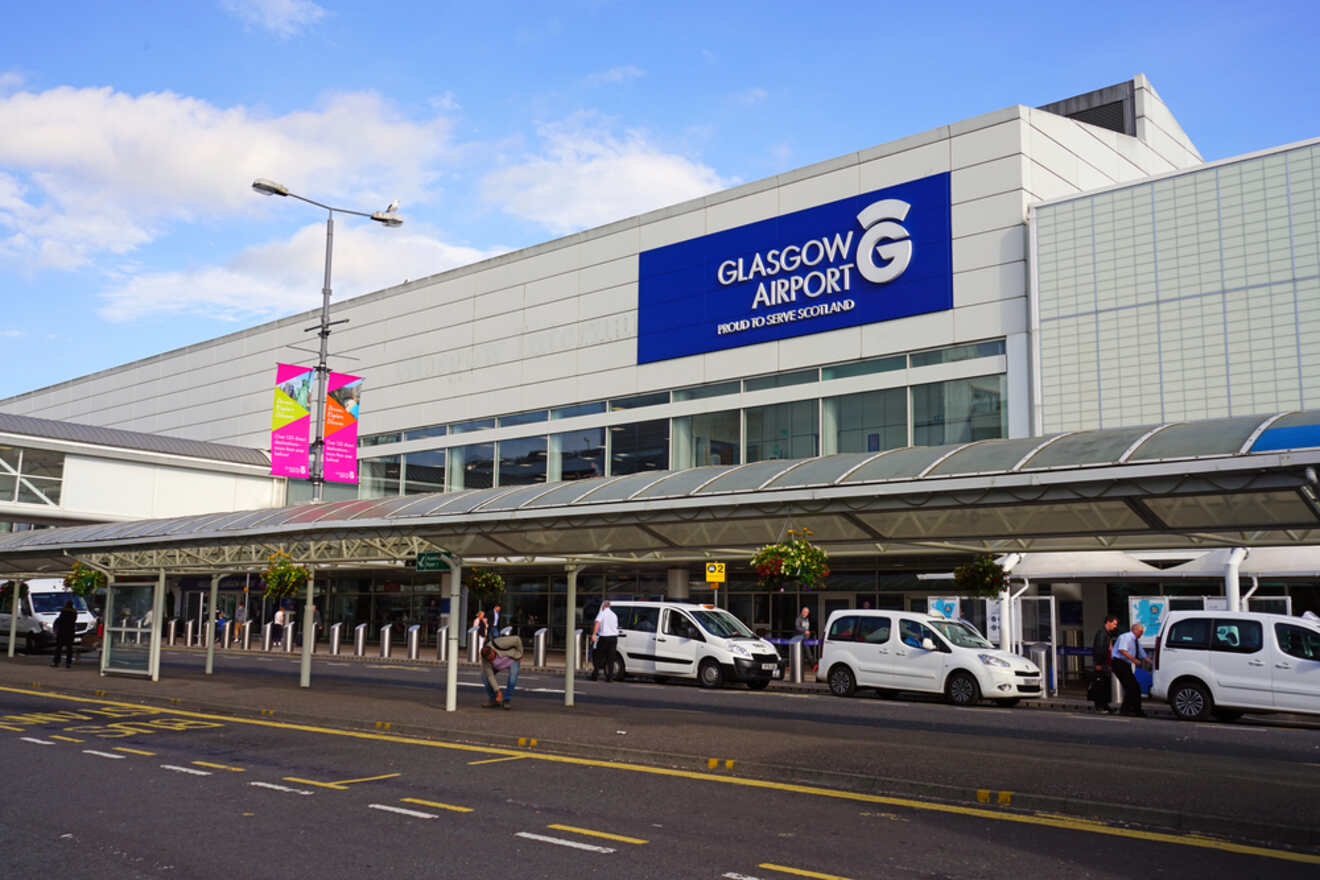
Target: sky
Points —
{"points": [[130, 132]]}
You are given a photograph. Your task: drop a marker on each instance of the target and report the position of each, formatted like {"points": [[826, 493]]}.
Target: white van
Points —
{"points": [[908, 651], [685, 640], [1225, 663], [37, 612]]}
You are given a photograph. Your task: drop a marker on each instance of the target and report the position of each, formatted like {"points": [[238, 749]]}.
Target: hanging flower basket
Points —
{"points": [[85, 580], [980, 576], [483, 584], [283, 577], [794, 560]]}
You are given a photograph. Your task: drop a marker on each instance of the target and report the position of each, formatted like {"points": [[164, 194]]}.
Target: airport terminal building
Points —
{"points": [[1023, 273]]}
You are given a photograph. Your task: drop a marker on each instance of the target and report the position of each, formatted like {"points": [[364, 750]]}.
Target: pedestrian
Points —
{"points": [[277, 627], [65, 623], [495, 621], [1102, 650], [500, 653], [1127, 655], [803, 626], [481, 625], [604, 638], [219, 625]]}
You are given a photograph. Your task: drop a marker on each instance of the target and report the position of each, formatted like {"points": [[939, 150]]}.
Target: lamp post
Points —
{"points": [[387, 217]]}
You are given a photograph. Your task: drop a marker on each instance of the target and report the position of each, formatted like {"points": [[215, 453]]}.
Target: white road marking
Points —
{"points": [[338, 664], [102, 754], [415, 813], [272, 785], [561, 842], [40, 742], [178, 769], [734, 876]]}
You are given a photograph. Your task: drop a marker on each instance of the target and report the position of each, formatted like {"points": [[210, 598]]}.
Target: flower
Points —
{"points": [[793, 559], [84, 580], [483, 583], [283, 578], [980, 576]]}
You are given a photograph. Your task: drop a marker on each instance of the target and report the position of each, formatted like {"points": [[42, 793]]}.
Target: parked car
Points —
{"points": [[920, 653], [38, 610], [1222, 664], [685, 640]]}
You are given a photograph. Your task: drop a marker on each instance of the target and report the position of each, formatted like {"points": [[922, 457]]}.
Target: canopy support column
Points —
{"points": [[455, 624], [157, 626], [209, 632], [1232, 588], [13, 617], [308, 633], [570, 637]]}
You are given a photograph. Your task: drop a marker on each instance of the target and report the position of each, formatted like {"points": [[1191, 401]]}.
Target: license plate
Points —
{"points": [[1031, 681], [769, 667]]}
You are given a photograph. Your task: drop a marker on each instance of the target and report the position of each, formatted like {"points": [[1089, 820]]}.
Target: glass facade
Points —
{"points": [[31, 476], [868, 422], [709, 438], [522, 461], [576, 455], [643, 446], [424, 472], [959, 411], [783, 430]]}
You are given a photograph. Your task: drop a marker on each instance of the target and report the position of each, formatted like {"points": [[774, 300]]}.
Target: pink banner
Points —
{"points": [[291, 422], [341, 420]]}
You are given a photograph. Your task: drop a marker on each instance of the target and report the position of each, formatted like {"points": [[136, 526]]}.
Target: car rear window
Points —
{"points": [[843, 629], [1191, 633], [1237, 636]]}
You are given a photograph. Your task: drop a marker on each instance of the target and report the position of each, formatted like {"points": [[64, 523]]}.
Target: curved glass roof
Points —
{"points": [[996, 463]]}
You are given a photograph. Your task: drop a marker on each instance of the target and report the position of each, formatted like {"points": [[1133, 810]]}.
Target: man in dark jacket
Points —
{"points": [[1101, 649], [65, 623]]}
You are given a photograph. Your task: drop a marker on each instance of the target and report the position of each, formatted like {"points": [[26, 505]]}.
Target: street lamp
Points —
{"points": [[387, 217]]}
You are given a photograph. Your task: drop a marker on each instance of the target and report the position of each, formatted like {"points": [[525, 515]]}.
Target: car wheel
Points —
{"points": [[1226, 714], [1008, 702], [1190, 701], [617, 670], [758, 684], [710, 675], [842, 681], [962, 689]]}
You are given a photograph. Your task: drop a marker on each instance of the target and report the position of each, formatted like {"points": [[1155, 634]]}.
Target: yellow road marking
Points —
{"points": [[133, 751], [1067, 824], [14, 729], [219, 766], [436, 804], [496, 760], [801, 872], [342, 784], [604, 834], [67, 739]]}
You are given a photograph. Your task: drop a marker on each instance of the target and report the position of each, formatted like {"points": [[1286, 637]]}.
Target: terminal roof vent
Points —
{"points": [[1113, 107]]}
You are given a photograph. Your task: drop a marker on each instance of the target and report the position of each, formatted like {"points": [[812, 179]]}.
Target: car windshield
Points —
{"points": [[722, 624], [959, 633], [52, 603]]}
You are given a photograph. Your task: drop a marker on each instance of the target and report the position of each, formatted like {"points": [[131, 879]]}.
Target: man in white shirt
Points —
{"points": [[604, 638], [1127, 655]]}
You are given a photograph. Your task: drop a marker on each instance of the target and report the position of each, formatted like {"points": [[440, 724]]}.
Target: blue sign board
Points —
{"points": [[874, 257]]}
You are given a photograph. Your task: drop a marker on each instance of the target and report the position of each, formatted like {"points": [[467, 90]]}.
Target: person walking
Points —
{"points": [[500, 653], [277, 627], [604, 639], [495, 621], [1102, 651], [803, 626], [65, 623], [1127, 655]]}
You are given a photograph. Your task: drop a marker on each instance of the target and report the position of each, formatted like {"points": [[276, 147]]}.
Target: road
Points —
{"points": [[123, 792]]}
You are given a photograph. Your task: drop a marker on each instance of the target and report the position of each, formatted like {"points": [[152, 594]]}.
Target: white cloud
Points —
{"points": [[281, 278], [285, 18], [11, 333], [615, 75], [10, 80], [99, 171], [588, 176], [751, 96]]}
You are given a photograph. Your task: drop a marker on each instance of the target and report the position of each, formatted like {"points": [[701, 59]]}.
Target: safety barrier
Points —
{"points": [[580, 643], [360, 640], [385, 640], [539, 645], [474, 645], [247, 635], [414, 637], [172, 632], [795, 659], [290, 636], [188, 635], [229, 633], [267, 636], [336, 632], [442, 644]]}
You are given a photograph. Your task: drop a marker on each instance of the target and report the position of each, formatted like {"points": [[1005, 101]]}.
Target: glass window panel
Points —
{"points": [[707, 438], [958, 353], [527, 418], [300, 491], [959, 411], [378, 439], [865, 368], [8, 456], [784, 430], [422, 433], [377, 477], [576, 455], [580, 409], [522, 461], [641, 446], [424, 472], [471, 467], [701, 392], [474, 425], [780, 380], [42, 463], [655, 399], [868, 422], [8, 483], [31, 490]]}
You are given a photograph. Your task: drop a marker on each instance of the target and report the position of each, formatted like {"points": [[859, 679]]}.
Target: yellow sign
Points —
{"points": [[714, 572]]}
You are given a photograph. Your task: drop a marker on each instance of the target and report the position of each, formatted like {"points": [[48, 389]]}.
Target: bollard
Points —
{"points": [[290, 636], [360, 640], [581, 641], [138, 634], [336, 632], [442, 644], [188, 635], [538, 647], [229, 633], [795, 659], [414, 638], [267, 635], [385, 633], [474, 645], [247, 635], [173, 632]]}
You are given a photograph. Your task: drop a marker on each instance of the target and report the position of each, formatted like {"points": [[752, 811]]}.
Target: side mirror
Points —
{"points": [[928, 644]]}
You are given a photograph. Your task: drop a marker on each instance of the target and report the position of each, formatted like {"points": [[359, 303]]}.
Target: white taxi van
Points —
{"points": [[686, 640], [37, 612], [920, 653], [1223, 663]]}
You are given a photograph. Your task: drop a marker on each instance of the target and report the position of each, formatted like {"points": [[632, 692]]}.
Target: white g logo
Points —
{"points": [[879, 221]]}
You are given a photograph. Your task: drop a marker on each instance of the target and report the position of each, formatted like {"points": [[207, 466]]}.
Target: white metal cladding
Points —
{"points": [[1197, 499]]}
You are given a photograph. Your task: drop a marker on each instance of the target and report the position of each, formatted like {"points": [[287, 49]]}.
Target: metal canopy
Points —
{"points": [[1223, 482]]}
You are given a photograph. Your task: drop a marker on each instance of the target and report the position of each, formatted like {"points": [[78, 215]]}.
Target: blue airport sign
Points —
{"points": [[874, 257]]}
